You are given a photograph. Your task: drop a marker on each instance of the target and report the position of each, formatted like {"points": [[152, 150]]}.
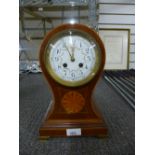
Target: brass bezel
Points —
{"points": [[52, 72]]}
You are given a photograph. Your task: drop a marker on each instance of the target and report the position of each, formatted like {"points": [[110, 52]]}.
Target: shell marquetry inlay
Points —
{"points": [[73, 102]]}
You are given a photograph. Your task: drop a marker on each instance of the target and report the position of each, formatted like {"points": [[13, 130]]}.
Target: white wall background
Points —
{"points": [[119, 14], [112, 14]]}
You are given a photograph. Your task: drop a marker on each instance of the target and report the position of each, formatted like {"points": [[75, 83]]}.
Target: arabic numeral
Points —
{"points": [[87, 50], [73, 75], [80, 45], [81, 72], [59, 52], [89, 58], [56, 59], [65, 73], [59, 67]]}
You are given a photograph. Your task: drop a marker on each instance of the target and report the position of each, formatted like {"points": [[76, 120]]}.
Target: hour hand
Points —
{"points": [[70, 54]]}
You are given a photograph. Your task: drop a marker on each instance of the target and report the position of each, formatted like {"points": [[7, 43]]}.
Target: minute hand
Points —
{"points": [[73, 49], [68, 51]]}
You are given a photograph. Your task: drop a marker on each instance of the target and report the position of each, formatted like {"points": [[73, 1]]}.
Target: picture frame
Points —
{"points": [[117, 48]]}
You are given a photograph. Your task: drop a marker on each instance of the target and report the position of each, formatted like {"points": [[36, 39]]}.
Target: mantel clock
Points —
{"points": [[72, 58]]}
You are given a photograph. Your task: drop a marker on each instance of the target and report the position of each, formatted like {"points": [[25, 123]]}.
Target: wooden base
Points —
{"points": [[89, 125], [61, 132]]}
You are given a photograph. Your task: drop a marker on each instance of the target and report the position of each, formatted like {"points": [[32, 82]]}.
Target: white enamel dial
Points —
{"points": [[73, 59]]}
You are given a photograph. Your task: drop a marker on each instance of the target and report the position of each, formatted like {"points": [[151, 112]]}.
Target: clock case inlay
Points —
{"points": [[56, 119]]}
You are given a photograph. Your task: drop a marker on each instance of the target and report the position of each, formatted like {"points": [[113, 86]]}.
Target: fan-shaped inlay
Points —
{"points": [[73, 102]]}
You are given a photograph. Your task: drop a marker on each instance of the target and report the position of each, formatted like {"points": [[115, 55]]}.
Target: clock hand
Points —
{"points": [[68, 51], [73, 50], [72, 56]]}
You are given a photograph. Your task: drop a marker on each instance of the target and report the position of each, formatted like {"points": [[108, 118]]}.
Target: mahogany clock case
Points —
{"points": [[72, 107]]}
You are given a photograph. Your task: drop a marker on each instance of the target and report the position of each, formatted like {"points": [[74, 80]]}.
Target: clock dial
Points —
{"points": [[72, 58]]}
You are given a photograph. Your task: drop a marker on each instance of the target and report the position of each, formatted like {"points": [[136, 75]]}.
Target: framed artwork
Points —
{"points": [[116, 43]]}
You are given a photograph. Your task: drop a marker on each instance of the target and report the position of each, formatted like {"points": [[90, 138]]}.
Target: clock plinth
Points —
{"points": [[56, 124]]}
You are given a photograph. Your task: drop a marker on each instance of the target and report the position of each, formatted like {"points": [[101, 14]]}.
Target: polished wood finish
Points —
{"points": [[72, 107]]}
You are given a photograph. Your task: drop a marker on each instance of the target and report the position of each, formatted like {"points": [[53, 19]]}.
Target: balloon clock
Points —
{"points": [[72, 58]]}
